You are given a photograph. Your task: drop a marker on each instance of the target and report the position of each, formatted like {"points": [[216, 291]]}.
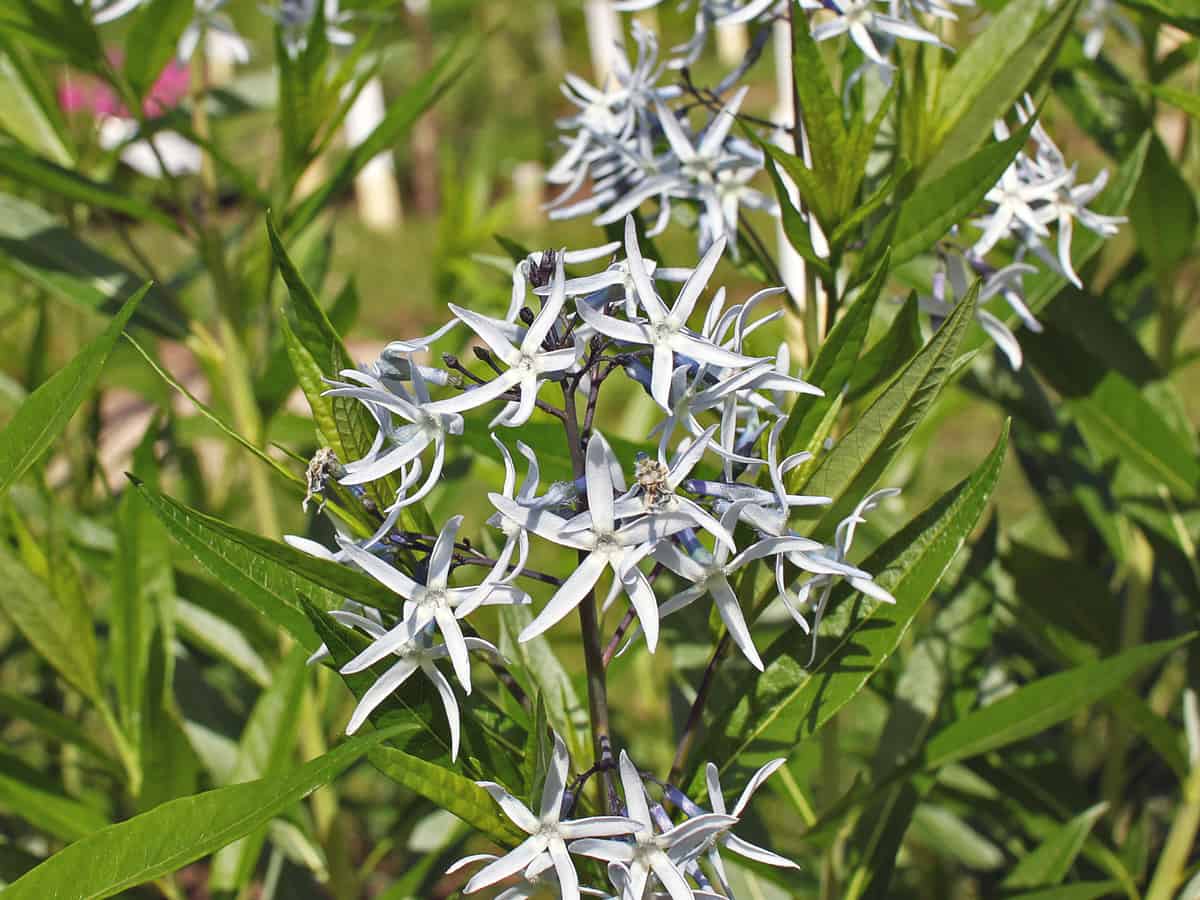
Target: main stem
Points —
{"points": [[589, 622]]}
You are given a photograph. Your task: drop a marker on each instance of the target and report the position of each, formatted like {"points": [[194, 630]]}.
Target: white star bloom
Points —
{"points": [[709, 575], [607, 546], [664, 856], [618, 275], [539, 877], [822, 584], [529, 364], [666, 331], [732, 842], [859, 19], [548, 833], [415, 651], [1014, 197], [407, 442], [434, 601], [1069, 204], [171, 149]]}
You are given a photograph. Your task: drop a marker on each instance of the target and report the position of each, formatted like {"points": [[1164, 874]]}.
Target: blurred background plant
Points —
{"points": [[139, 659]]}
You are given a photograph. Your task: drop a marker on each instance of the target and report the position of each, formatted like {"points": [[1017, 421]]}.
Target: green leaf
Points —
{"points": [[820, 105], [940, 203], [56, 623], [794, 225], [1085, 890], [990, 75], [448, 790], [812, 192], [28, 169], [1184, 14], [1185, 100], [849, 471], [1041, 704], [152, 40], [43, 416], [401, 115], [37, 246], [174, 834], [538, 670], [266, 747], [270, 575], [1163, 211], [30, 796], [27, 110], [212, 417], [1117, 421], [60, 29], [1048, 864], [55, 726], [790, 700], [834, 364], [887, 356]]}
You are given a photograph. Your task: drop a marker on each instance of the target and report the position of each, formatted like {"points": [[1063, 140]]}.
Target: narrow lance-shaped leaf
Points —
{"points": [[270, 575], [941, 203], [835, 361], [267, 744], [44, 415], [448, 790], [1048, 863], [990, 75], [790, 700], [1117, 421], [32, 170], [38, 246], [1041, 704], [27, 794], [849, 471], [151, 43], [174, 834], [56, 624]]}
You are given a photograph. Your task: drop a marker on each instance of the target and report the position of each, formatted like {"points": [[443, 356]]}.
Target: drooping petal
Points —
{"points": [[509, 864], [567, 597], [380, 691]]}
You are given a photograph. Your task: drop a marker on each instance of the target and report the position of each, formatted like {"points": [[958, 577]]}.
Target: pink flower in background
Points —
{"points": [[169, 90]]}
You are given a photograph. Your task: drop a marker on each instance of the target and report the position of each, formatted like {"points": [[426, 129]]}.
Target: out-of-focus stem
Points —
{"points": [[248, 422], [1171, 864]]}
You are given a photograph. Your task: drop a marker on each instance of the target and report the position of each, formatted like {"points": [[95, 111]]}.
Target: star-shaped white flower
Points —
{"points": [[415, 651], [434, 601], [608, 546], [405, 443], [665, 856], [666, 329], [710, 576], [732, 842], [529, 364], [548, 833]]}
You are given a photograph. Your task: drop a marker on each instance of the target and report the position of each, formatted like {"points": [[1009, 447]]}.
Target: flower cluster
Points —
{"points": [[633, 149], [708, 501], [643, 846], [1037, 191]]}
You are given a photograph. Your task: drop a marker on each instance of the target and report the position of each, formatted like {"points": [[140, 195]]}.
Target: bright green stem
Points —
{"points": [[1182, 836]]}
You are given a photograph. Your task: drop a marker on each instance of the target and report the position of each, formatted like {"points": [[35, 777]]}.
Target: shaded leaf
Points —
{"points": [[1040, 704]]}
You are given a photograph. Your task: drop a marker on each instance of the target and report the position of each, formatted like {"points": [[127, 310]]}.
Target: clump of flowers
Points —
{"points": [[707, 502], [1037, 192]]}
